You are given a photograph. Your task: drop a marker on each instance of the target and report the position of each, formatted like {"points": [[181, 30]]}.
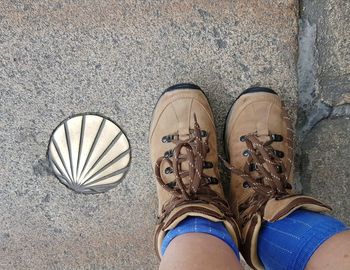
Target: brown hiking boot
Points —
{"points": [[184, 155], [259, 143]]}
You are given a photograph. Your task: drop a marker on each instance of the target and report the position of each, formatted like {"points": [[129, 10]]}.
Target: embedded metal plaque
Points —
{"points": [[89, 153]]}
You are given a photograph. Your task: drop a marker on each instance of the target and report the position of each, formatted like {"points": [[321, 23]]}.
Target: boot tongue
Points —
{"points": [[262, 131], [183, 136], [263, 137], [184, 132]]}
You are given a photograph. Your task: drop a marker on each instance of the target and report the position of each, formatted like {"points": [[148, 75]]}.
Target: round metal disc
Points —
{"points": [[89, 153]]}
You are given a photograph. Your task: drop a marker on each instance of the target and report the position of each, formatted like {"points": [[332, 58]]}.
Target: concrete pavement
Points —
{"points": [[64, 57]]}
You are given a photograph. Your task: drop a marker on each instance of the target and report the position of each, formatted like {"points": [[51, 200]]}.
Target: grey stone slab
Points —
{"points": [[59, 58], [324, 90], [331, 20], [325, 165]]}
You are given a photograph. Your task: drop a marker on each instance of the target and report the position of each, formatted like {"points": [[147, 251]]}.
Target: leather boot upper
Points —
{"points": [[184, 157], [259, 144]]}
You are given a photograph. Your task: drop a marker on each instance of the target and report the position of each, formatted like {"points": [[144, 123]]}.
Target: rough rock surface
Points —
{"points": [[325, 165], [324, 102]]}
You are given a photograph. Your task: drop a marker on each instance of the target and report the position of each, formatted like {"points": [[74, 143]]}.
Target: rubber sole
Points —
{"points": [[250, 90], [256, 89], [182, 86]]}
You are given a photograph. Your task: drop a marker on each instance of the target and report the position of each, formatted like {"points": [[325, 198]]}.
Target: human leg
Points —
{"points": [[199, 251], [332, 254]]}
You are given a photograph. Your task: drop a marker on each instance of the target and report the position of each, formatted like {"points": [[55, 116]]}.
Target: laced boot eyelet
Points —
{"points": [[207, 165], [213, 181], [246, 153], [204, 133], [288, 186], [169, 154], [279, 169], [167, 138], [171, 184], [277, 137], [252, 167], [279, 154], [242, 138], [241, 208], [246, 184], [169, 170]]}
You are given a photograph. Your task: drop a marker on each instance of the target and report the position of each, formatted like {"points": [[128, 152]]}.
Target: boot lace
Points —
{"points": [[264, 172], [197, 189]]}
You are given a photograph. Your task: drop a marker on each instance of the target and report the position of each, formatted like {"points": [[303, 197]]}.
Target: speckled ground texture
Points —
{"points": [[324, 99], [58, 58]]}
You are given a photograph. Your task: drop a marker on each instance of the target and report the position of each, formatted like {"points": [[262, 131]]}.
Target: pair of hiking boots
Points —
{"points": [[259, 146]]}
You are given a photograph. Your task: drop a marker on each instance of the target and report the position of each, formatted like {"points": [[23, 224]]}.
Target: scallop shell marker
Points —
{"points": [[89, 153]]}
